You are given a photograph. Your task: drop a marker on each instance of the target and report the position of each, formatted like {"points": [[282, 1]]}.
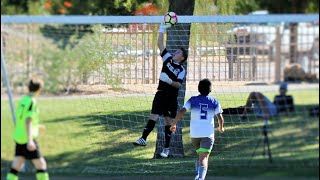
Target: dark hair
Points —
{"points": [[185, 55], [204, 87], [34, 85]]}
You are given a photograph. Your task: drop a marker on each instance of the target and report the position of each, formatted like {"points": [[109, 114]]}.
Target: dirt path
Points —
{"points": [[99, 91]]}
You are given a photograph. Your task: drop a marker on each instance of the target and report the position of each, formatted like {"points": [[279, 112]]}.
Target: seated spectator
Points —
{"points": [[260, 105], [283, 102], [263, 107]]}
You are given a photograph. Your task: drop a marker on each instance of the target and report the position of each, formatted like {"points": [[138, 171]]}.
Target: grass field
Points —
{"points": [[93, 136]]}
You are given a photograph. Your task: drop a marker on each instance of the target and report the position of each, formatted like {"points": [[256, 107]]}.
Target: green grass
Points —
{"points": [[93, 136]]}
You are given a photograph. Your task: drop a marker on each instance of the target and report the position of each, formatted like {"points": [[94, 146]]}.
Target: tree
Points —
{"points": [[274, 7], [246, 6], [94, 7], [76, 7], [11, 7], [226, 7], [284, 6], [180, 34], [67, 67], [85, 7]]}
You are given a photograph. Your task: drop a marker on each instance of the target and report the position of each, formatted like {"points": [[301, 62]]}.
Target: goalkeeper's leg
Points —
{"points": [[167, 135], [156, 111], [148, 128], [167, 132], [142, 141]]}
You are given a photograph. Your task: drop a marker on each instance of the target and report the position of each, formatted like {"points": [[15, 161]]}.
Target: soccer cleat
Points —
{"points": [[165, 152], [140, 142]]}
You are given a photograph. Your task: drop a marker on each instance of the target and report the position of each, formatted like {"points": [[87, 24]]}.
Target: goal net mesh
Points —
{"points": [[100, 80]]}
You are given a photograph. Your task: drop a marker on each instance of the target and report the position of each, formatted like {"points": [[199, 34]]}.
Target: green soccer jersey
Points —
{"points": [[27, 109]]}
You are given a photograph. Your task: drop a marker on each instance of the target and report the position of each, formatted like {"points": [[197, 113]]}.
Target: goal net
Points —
{"points": [[101, 74]]}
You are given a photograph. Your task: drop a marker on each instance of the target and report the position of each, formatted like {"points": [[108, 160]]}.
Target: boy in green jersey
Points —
{"points": [[25, 134]]}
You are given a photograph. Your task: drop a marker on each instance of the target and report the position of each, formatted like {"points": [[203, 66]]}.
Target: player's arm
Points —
{"points": [[165, 78], [162, 29], [160, 41], [220, 122], [177, 84], [180, 114], [30, 145]]}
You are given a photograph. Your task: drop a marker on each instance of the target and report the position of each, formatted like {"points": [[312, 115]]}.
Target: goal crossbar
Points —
{"points": [[80, 19]]}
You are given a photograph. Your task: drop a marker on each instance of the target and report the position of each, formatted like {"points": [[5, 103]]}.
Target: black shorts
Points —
{"points": [[165, 104], [21, 150]]}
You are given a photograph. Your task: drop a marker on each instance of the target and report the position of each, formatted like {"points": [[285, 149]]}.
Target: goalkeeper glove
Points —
{"points": [[165, 78], [163, 27]]}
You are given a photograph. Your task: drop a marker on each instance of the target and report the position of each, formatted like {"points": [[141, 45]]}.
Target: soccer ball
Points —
{"points": [[170, 18]]}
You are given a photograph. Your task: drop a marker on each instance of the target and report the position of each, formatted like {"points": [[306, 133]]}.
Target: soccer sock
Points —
{"points": [[167, 134], [12, 175], [197, 165], [149, 127], [202, 172], [42, 175]]}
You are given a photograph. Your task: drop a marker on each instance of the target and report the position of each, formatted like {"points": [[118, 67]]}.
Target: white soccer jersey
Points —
{"points": [[203, 109]]}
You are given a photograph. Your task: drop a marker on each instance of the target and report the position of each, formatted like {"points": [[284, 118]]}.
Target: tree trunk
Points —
{"points": [[297, 6], [293, 36], [293, 42], [177, 36]]}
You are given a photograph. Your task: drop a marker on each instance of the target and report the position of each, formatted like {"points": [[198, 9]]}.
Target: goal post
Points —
{"points": [[7, 85], [101, 74]]}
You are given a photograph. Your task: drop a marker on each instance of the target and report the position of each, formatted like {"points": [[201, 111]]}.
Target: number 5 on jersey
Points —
{"points": [[203, 111]]}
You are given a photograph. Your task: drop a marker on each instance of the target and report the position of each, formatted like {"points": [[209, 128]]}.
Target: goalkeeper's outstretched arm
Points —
{"points": [[160, 42], [162, 29]]}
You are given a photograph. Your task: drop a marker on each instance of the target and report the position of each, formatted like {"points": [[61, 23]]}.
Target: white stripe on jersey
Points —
{"points": [[166, 56], [182, 74]]}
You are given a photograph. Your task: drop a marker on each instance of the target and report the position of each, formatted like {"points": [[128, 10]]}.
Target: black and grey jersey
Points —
{"points": [[175, 71]]}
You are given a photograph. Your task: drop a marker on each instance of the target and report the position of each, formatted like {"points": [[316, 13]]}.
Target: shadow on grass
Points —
{"points": [[294, 144], [5, 166]]}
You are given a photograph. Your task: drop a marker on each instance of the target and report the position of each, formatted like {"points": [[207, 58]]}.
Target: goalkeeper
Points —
{"points": [[165, 100], [26, 132], [203, 109]]}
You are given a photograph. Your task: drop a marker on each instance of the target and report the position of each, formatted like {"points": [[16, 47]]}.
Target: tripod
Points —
{"points": [[265, 143]]}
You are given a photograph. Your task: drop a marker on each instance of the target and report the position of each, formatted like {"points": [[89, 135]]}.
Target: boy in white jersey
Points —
{"points": [[203, 109]]}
